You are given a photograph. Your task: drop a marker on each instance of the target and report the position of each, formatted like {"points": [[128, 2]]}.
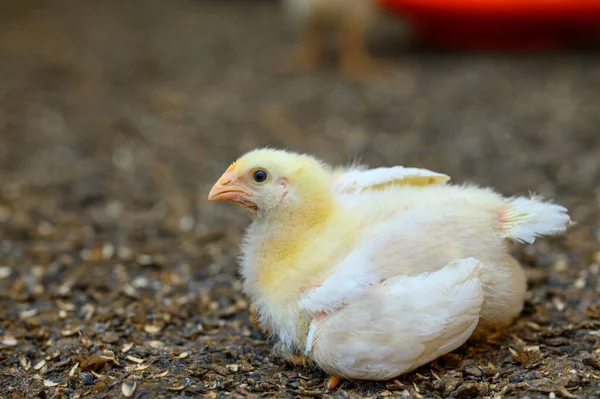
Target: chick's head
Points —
{"points": [[274, 183]]}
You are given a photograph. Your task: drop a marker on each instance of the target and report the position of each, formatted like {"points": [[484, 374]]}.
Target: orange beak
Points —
{"points": [[225, 189]]}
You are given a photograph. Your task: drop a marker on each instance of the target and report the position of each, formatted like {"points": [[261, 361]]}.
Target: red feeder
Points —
{"points": [[502, 24]]}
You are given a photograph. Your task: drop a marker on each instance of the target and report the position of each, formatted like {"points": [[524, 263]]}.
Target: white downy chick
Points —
{"points": [[371, 273]]}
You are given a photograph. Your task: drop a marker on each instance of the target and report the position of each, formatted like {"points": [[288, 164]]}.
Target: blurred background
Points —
{"points": [[116, 117]]}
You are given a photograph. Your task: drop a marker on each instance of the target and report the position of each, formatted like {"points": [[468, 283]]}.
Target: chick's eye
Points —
{"points": [[259, 176]]}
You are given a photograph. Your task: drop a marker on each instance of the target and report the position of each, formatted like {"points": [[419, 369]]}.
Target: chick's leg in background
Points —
{"points": [[317, 19], [355, 24], [308, 54], [355, 59]]}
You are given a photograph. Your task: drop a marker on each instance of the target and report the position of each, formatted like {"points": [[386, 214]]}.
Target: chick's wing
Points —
{"points": [[407, 244], [421, 317], [358, 179]]}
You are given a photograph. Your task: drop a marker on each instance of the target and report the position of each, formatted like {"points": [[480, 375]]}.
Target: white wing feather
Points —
{"points": [[347, 282], [402, 324], [357, 180], [385, 250]]}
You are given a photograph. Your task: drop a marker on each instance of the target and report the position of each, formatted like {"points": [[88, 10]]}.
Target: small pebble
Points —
{"points": [[5, 272], [474, 371]]}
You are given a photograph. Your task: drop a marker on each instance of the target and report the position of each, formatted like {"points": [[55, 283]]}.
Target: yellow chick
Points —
{"points": [[371, 273], [351, 19]]}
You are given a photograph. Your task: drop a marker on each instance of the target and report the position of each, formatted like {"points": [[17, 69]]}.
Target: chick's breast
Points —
{"points": [[278, 268]]}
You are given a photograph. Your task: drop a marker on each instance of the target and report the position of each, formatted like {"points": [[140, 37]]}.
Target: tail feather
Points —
{"points": [[525, 219]]}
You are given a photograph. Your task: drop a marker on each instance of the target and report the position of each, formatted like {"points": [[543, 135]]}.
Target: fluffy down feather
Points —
{"points": [[373, 272]]}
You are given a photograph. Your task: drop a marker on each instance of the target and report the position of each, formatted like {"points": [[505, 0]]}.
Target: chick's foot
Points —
{"points": [[333, 382], [308, 54], [257, 325], [296, 360]]}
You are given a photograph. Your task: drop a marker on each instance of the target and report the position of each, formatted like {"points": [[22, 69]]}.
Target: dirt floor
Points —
{"points": [[118, 278]]}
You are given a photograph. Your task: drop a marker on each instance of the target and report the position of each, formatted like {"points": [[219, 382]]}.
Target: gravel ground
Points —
{"points": [[118, 278]]}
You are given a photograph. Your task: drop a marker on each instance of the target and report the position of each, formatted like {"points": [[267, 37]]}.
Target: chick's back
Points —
{"points": [[407, 230], [392, 232], [416, 229]]}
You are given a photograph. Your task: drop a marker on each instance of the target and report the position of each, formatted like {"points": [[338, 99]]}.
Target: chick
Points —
{"points": [[317, 19], [371, 273]]}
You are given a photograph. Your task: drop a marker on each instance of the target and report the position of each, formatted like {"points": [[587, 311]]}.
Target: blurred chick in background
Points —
{"points": [[371, 273], [317, 19]]}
